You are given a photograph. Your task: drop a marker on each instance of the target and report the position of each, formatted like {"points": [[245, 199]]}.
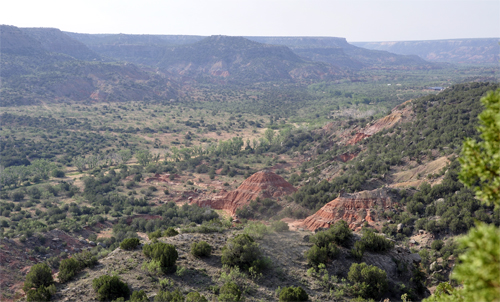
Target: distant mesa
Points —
{"points": [[354, 208], [263, 184], [458, 51]]}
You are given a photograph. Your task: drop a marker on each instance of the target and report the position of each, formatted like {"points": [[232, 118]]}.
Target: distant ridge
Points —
{"points": [[338, 51], [242, 60], [45, 64], [54, 40], [461, 51], [150, 49]]}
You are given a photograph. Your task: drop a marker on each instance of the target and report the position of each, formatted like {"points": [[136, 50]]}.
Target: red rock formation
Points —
{"points": [[357, 138], [345, 157], [264, 184], [399, 113], [353, 208]]}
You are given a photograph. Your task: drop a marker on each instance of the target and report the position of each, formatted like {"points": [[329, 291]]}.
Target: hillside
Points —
{"points": [[45, 65], [339, 52], [55, 41], [459, 51], [137, 49], [151, 49], [86, 177], [242, 60]]}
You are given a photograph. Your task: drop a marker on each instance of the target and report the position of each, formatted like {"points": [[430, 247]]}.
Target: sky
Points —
{"points": [[357, 21]]}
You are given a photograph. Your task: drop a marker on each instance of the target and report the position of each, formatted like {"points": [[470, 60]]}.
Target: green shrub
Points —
{"points": [[170, 232], [317, 255], [153, 267], [340, 233], [201, 249], [17, 195], [242, 251], [85, 259], [368, 281], [40, 294], [110, 288], [154, 235], [40, 275], [375, 243], [437, 245], [68, 269], [256, 230], [129, 243], [165, 253], [58, 173], [139, 296], [280, 226], [229, 292], [292, 294], [175, 296], [358, 250], [195, 297]]}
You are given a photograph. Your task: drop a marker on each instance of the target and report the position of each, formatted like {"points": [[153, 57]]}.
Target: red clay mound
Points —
{"points": [[345, 157], [399, 113], [354, 208], [264, 184]]}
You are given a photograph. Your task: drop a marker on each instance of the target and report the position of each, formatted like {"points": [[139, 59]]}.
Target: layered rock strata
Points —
{"points": [[354, 208], [399, 113], [263, 184]]}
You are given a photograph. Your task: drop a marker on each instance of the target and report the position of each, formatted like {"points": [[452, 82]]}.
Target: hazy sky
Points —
{"points": [[373, 20]]}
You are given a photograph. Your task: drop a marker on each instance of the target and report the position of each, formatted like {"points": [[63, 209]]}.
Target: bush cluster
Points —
{"points": [[244, 252], [368, 281], [325, 243], [164, 253], [139, 296], [129, 243], [229, 292], [201, 249], [340, 233], [68, 268], [317, 255], [173, 296], [292, 294], [39, 284], [110, 288]]}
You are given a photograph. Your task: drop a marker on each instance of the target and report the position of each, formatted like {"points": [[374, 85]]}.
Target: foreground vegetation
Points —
{"points": [[82, 167]]}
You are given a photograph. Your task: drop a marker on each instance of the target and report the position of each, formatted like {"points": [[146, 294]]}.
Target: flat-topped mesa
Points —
{"points": [[263, 184], [354, 208]]}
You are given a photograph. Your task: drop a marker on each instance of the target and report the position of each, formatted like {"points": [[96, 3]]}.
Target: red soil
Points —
{"points": [[355, 209], [386, 122], [264, 184]]}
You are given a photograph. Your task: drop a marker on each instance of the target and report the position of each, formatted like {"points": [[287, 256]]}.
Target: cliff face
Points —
{"points": [[263, 184], [354, 208]]}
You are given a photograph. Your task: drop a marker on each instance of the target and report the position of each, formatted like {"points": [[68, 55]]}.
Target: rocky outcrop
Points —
{"points": [[399, 113], [354, 208], [263, 184], [357, 138], [345, 157]]}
